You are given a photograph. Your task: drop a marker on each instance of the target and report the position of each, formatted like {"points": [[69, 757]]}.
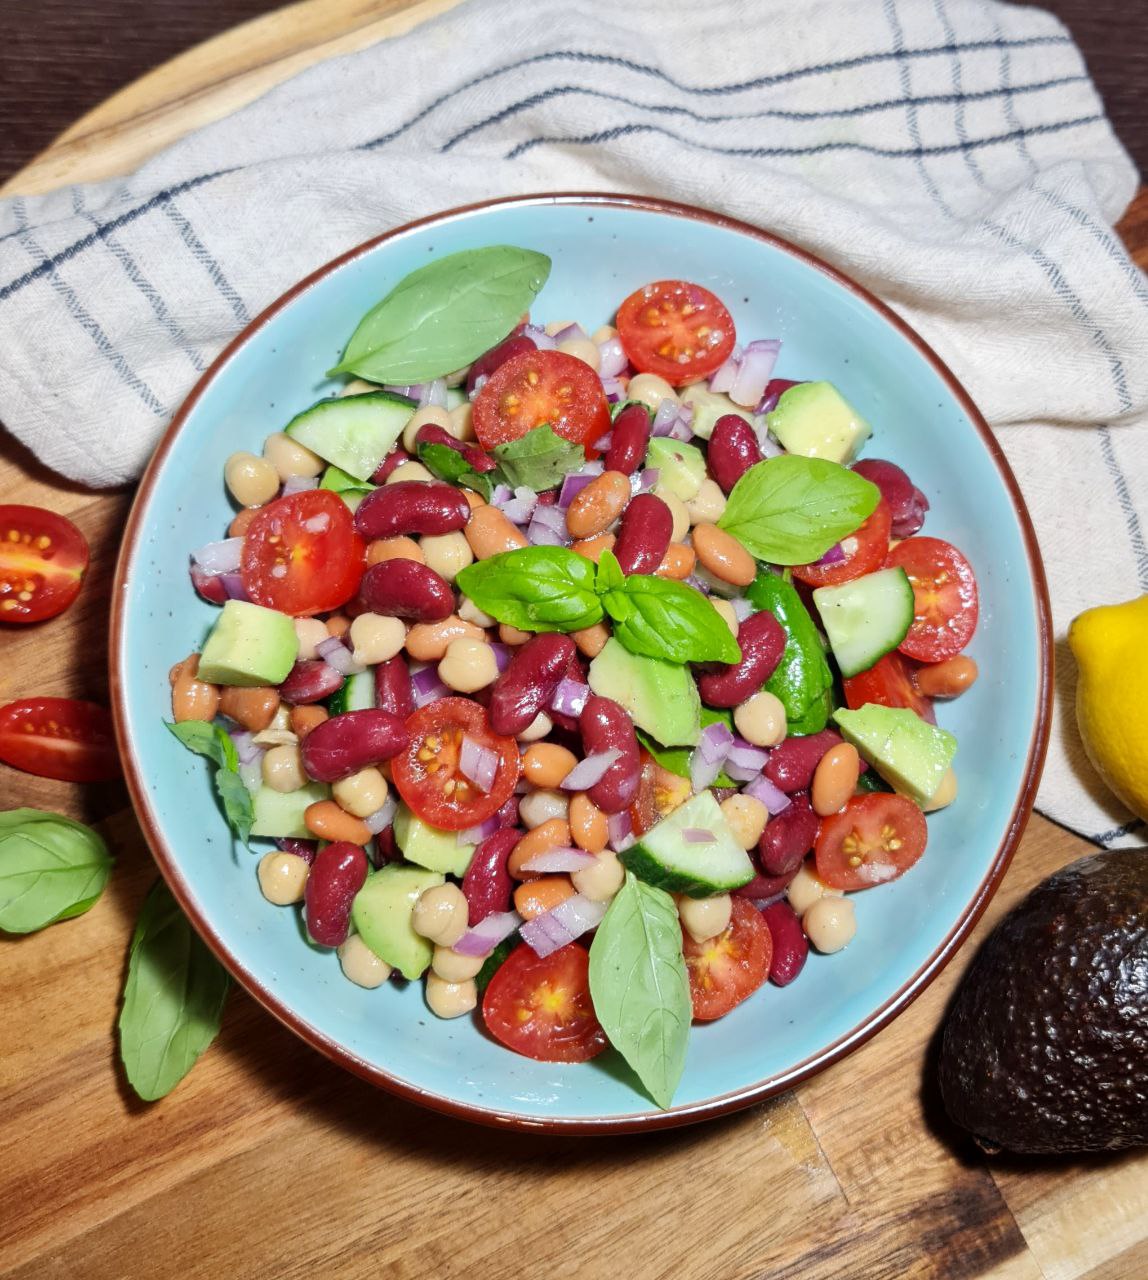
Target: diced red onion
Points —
{"points": [[501, 656], [336, 654], [744, 761], [723, 377], [834, 555], [233, 584], [479, 383], [715, 743], [555, 929], [621, 829], [570, 697], [613, 389], [571, 487], [412, 391], [646, 480], [478, 763], [427, 687], [698, 835], [476, 835], [519, 508], [754, 372], [542, 340], [501, 493], [770, 795], [611, 358], [245, 747], [541, 534], [488, 933], [589, 771], [742, 608], [220, 557], [299, 484], [699, 584], [382, 817], [665, 414], [433, 393], [317, 524], [673, 425], [559, 860], [572, 330], [604, 442], [703, 772]]}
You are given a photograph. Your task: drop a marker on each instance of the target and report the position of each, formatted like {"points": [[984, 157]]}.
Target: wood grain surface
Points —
{"points": [[268, 1161]]}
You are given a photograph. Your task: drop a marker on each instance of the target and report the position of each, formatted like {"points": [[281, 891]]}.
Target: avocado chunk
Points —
{"points": [[1045, 1047], [381, 914], [709, 406], [428, 846], [661, 697], [681, 467], [911, 755], [279, 814], [815, 420], [248, 646]]}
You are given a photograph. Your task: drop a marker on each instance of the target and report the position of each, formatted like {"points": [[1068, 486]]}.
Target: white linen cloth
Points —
{"points": [[953, 155]]}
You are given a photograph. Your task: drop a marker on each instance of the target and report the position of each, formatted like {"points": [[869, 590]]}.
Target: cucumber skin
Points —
{"points": [[647, 867]]}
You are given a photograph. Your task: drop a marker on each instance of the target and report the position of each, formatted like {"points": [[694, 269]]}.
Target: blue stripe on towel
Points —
{"points": [[200, 253]]}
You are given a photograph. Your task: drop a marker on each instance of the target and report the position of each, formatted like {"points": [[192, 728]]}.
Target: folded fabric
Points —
{"points": [[953, 155]]}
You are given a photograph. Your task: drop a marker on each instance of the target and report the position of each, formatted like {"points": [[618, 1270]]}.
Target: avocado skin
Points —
{"points": [[1045, 1049]]}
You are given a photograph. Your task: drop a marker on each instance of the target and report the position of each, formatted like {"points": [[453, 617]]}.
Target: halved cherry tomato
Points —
{"points": [[945, 605], [43, 557], [862, 552], [873, 840], [659, 793], [889, 682], [59, 738], [301, 554], [427, 773], [675, 329], [537, 387], [541, 1008], [726, 969]]}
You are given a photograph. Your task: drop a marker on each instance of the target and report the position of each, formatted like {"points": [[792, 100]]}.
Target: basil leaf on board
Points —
{"points": [[215, 743], [791, 510], [51, 869], [538, 460], [238, 807], [661, 618], [639, 985], [677, 759], [444, 315], [449, 465], [173, 997], [535, 589]]}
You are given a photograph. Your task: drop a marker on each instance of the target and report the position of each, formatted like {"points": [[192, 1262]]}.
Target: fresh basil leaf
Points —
{"points": [[609, 576], [445, 315], [215, 743], [616, 409], [173, 998], [238, 807], [791, 510], [535, 589], [677, 759], [639, 985], [341, 482], [539, 460], [51, 869], [449, 465], [661, 618]]}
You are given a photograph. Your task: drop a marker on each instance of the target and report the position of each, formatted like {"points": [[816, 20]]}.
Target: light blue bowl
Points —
{"points": [[602, 248]]}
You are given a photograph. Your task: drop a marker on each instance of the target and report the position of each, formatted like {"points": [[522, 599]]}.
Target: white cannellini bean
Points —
{"points": [[407, 471], [446, 553], [761, 719], [290, 458]]}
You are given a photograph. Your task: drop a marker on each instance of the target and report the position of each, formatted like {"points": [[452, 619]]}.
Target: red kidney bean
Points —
{"points": [[775, 388], [337, 874], [403, 588], [644, 534], [311, 680], [397, 456], [527, 685], [907, 504], [486, 364], [387, 848], [762, 887], [787, 839], [487, 885], [606, 726], [305, 849], [762, 643], [478, 458], [393, 691], [209, 586], [349, 742], [790, 945], [411, 506], [629, 440], [792, 763], [733, 449]]}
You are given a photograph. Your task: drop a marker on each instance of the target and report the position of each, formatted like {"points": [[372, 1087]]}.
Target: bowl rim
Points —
{"points": [[688, 1113]]}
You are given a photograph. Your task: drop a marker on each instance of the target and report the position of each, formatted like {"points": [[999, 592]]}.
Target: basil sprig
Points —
{"points": [[173, 998], [449, 465], [211, 741], [444, 315], [51, 869], [639, 985], [538, 460], [791, 510], [535, 589]]}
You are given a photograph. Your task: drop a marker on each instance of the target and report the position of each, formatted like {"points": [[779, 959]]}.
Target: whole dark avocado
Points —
{"points": [[1045, 1048]]}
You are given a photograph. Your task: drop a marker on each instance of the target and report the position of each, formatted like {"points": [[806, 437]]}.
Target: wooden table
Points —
{"points": [[269, 1161]]}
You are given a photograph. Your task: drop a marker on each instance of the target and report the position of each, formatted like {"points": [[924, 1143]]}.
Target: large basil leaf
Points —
{"points": [[173, 998], [538, 460], [639, 985], [215, 743], [51, 869], [791, 510], [661, 618], [444, 315], [449, 465], [535, 589]]}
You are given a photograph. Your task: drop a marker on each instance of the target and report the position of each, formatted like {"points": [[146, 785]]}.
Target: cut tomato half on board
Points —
{"points": [[890, 683], [43, 558], [873, 840], [541, 1008], [60, 738], [945, 603], [726, 969], [853, 557], [536, 388], [676, 329]]}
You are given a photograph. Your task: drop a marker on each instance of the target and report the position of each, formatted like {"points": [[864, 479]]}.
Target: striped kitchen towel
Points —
{"points": [[951, 154]]}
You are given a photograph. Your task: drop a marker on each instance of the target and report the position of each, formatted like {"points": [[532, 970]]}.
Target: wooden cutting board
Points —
{"points": [[269, 1161]]}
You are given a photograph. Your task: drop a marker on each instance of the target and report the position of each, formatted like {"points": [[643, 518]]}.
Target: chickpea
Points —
{"points": [[538, 728], [947, 679], [441, 914], [254, 708], [290, 458], [394, 549], [192, 699], [601, 881], [830, 924], [582, 349], [453, 967], [311, 632], [251, 480], [430, 415], [283, 769], [705, 918], [328, 821], [376, 638], [596, 507], [304, 719], [553, 834], [723, 555], [282, 878], [446, 553], [678, 512], [805, 888], [746, 817], [511, 635], [545, 764], [427, 641], [536, 897], [834, 779], [357, 387], [604, 333], [537, 807], [468, 611], [761, 719], [360, 964], [461, 424], [651, 390], [450, 999], [361, 794], [728, 616], [468, 665], [708, 504], [945, 794], [589, 827], [591, 640], [407, 471], [490, 533]]}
